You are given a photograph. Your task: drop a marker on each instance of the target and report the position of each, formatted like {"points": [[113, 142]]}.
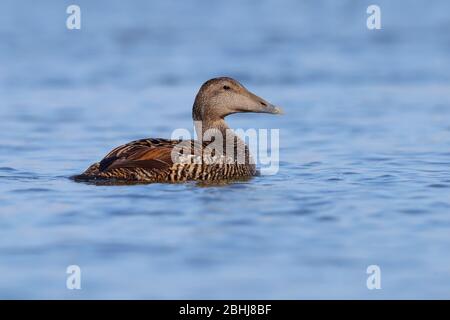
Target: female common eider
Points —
{"points": [[219, 155]]}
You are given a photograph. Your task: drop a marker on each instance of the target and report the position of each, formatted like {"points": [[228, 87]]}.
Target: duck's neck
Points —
{"points": [[207, 128], [210, 130]]}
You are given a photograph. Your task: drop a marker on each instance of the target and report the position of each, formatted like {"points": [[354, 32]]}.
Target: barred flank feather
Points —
{"points": [[150, 160]]}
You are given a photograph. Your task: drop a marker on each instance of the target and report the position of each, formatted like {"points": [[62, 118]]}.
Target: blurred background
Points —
{"points": [[364, 169]]}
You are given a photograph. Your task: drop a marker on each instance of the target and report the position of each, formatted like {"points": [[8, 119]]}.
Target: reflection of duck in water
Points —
{"points": [[162, 160]]}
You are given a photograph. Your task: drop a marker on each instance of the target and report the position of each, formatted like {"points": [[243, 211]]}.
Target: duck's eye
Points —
{"points": [[226, 88]]}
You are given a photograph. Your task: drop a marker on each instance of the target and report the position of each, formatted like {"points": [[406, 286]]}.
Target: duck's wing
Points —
{"points": [[145, 153]]}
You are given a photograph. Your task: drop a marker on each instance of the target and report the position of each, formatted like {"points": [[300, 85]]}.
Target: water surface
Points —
{"points": [[364, 150]]}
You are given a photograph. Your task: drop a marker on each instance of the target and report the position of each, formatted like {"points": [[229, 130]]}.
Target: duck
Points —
{"points": [[218, 155]]}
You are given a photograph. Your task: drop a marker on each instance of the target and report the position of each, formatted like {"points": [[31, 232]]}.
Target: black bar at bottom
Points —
{"points": [[229, 309]]}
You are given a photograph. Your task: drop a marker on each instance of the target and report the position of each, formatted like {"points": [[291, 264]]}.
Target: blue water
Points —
{"points": [[364, 173]]}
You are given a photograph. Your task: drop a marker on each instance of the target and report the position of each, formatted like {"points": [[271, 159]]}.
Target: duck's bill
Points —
{"points": [[259, 105], [276, 110], [270, 108]]}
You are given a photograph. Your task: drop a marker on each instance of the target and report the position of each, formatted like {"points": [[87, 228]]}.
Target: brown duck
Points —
{"points": [[221, 155]]}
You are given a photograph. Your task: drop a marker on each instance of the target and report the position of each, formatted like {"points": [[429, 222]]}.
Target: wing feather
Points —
{"points": [[148, 154]]}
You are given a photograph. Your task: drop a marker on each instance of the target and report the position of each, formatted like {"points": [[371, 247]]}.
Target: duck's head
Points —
{"points": [[220, 97]]}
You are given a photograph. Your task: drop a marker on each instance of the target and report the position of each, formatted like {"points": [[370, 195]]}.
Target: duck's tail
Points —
{"points": [[91, 173]]}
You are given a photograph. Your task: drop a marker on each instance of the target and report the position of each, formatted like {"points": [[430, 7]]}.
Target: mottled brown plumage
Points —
{"points": [[163, 160]]}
